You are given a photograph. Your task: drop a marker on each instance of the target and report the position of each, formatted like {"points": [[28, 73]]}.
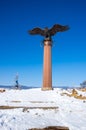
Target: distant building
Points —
{"points": [[83, 84]]}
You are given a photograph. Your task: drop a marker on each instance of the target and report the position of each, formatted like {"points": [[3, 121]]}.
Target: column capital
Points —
{"points": [[48, 42]]}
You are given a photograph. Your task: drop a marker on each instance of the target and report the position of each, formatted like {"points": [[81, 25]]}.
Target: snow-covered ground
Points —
{"points": [[38, 109]]}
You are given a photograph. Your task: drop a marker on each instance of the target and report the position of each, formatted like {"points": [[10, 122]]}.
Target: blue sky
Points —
{"points": [[22, 53]]}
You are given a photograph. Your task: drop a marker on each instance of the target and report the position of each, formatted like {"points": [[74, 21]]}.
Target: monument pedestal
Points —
{"points": [[47, 68]]}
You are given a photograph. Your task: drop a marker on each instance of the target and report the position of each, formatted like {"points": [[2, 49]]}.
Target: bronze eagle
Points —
{"points": [[47, 33]]}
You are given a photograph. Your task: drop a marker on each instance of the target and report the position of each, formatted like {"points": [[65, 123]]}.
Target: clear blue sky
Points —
{"points": [[22, 53]]}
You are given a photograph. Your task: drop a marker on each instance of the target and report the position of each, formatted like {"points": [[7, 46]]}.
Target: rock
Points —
{"points": [[51, 128], [2, 90]]}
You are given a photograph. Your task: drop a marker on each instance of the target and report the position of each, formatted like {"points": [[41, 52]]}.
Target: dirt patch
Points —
{"points": [[41, 102], [83, 89], [2, 90], [16, 101], [51, 128], [75, 95], [14, 107], [9, 107]]}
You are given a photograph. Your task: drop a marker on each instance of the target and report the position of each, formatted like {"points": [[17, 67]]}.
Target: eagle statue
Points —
{"points": [[47, 33]]}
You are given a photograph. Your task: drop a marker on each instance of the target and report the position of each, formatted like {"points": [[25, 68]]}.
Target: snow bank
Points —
{"points": [[65, 111]]}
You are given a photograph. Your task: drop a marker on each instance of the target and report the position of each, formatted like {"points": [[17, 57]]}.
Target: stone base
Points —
{"points": [[46, 88]]}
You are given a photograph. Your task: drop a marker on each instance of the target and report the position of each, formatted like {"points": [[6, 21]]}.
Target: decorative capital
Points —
{"points": [[48, 42]]}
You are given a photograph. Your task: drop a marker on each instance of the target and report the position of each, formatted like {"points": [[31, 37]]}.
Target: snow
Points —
{"points": [[38, 109]]}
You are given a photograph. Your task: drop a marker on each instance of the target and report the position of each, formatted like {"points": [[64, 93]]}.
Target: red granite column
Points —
{"points": [[47, 68]]}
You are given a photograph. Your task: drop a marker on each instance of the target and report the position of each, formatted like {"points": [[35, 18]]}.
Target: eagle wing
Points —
{"points": [[36, 31], [58, 28]]}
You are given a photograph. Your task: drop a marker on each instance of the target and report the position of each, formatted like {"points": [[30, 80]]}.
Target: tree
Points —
{"points": [[83, 84]]}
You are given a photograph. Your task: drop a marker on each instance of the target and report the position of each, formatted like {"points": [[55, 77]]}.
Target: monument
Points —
{"points": [[47, 42]]}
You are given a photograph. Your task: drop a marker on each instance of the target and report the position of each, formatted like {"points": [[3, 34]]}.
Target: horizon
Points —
{"points": [[22, 53], [32, 87]]}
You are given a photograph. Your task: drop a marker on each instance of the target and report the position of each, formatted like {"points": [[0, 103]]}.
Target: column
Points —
{"points": [[47, 66]]}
